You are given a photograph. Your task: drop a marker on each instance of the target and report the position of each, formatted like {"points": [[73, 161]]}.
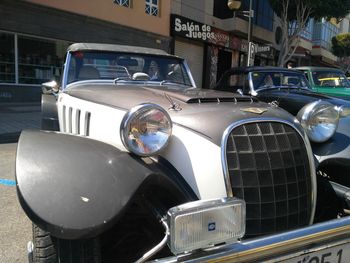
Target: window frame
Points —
{"points": [[123, 3], [150, 4]]}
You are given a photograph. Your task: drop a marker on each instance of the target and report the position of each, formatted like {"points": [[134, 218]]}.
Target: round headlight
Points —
{"points": [[146, 129], [319, 119]]}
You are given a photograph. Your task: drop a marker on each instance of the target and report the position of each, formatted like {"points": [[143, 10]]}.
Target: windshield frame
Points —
{"points": [[341, 76], [184, 67], [254, 91]]}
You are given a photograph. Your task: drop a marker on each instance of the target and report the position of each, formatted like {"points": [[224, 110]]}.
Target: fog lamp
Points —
{"points": [[202, 224]]}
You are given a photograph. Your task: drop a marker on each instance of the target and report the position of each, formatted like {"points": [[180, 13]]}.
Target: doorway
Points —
{"points": [[224, 62]]}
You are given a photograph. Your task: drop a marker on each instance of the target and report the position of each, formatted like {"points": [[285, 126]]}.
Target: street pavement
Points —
{"points": [[15, 227], [14, 117]]}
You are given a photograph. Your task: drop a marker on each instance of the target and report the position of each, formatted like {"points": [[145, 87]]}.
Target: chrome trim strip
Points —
{"points": [[255, 120], [64, 118], [65, 71], [158, 247], [189, 74], [254, 92], [87, 123], [251, 85], [273, 246]]}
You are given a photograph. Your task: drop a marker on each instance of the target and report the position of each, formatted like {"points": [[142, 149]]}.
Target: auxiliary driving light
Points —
{"points": [[202, 224]]}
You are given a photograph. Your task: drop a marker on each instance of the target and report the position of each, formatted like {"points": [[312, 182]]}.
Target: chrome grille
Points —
{"points": [[269, 168]]}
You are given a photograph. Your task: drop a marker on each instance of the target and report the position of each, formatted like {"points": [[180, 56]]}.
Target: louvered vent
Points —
{"points": [[76, 121]]}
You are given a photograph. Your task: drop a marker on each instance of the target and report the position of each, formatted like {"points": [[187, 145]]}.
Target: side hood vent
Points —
{"points": [[193, 96], [218, 100]]}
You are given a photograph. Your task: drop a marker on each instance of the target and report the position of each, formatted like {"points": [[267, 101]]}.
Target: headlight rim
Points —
{"points": [[305, 114], [130, 115]]}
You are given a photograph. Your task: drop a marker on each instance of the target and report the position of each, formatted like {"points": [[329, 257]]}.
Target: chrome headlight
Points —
{"points": [[319, 119], [146, 129]]}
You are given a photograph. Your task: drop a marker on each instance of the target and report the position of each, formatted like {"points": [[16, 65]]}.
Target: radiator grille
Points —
{"points": [[75, 121], [269, 168]]}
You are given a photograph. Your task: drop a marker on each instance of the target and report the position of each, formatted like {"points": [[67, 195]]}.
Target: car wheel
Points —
{"points": [[48, 249]]}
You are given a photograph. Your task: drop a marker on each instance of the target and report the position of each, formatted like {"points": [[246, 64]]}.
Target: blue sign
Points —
{"points": [[211, 226]]}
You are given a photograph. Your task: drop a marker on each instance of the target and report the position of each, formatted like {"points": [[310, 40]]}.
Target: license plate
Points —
{"points": [[327, 254]]}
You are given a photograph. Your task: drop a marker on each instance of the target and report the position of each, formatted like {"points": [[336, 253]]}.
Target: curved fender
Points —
{"points": [[49, 120], [337, 149], [72, 186]]}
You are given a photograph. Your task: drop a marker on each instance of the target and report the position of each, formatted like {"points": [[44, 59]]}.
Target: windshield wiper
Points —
{"points": [[121, 78], [166, 81], [269, 87]]}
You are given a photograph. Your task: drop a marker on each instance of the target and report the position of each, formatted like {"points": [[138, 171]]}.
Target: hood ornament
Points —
{"points": [[255, 110], [274, 103], [174, 106]]}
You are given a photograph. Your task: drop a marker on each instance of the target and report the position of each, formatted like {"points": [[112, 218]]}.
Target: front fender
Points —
{"points": [[75, 187], [337, 149]]}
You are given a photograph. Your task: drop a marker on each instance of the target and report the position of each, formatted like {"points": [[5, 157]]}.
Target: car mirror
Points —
{"points": [[140, 76], [50, 87], [240, 91]]}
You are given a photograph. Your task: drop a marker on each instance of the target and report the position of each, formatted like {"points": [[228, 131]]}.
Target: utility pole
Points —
{"points": [[235, 5]]}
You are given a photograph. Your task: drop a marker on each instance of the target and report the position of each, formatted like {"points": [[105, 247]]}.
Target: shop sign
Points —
{"points": [[263, 49], [187, 28]]}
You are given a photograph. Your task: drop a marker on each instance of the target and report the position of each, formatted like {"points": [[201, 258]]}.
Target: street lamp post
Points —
{"points": [[234, 5]]}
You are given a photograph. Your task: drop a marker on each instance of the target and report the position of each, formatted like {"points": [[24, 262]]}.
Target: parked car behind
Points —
{"points": [[290, 90], [330, 81], [137, 162]]}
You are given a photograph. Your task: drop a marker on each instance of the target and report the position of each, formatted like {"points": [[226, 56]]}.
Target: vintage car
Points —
{"points": [[290, 90], [330, 81], [134, 168]]}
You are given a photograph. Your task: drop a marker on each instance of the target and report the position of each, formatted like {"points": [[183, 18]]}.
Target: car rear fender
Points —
{"points": [[76, 187]]}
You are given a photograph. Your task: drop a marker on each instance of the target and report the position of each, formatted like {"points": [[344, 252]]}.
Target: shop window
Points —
{"points": [[125, 3], [152, 7], [39, 60], [7, 58]]}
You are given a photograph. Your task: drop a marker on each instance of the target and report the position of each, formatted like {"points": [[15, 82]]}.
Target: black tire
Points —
{"points": [[48, 249]]}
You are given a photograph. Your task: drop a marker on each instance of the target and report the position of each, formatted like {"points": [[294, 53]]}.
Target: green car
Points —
{"points": [[330, 81]]}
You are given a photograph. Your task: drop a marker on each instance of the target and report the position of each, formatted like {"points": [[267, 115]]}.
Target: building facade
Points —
{"points": [[315, 45], [213, 38], [34, 35]]}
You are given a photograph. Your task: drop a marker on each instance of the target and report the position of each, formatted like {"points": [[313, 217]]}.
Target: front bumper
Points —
{"points": [[276, 247]]}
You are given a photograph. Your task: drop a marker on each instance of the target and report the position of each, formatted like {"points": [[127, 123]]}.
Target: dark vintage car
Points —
{"points": [[290, 90], [136, 165]]}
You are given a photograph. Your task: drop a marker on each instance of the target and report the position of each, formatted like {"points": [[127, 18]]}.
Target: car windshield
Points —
{"points": [[271, 79], [127, 67], [330, 79]]}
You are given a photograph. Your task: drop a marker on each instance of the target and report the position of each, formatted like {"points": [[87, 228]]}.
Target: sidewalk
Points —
{"points": [[15, 117]]}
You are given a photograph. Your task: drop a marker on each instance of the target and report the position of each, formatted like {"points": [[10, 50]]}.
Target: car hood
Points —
{"points": [[309, 95], [207, 112]]}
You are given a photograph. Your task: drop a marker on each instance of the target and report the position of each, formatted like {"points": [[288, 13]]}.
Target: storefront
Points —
{"points": [[264, 54], [26, 62], [34, 39], [209, 51]]}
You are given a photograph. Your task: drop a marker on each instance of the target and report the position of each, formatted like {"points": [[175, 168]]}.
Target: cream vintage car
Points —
{"points": [[135, 163]]}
